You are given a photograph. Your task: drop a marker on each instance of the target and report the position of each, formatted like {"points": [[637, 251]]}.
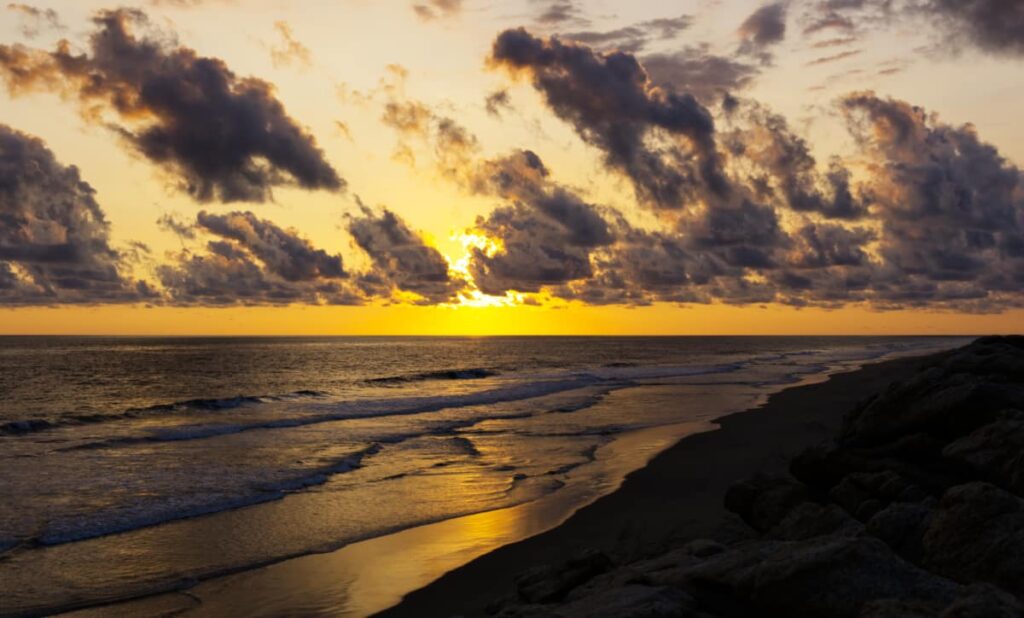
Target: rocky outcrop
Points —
{"points": [[914, 511]]}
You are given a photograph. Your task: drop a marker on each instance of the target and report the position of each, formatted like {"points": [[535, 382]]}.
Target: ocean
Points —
{"points": [[137, 466]]}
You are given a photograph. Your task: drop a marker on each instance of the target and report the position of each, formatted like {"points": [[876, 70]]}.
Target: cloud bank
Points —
{"points": [[217, 135]]}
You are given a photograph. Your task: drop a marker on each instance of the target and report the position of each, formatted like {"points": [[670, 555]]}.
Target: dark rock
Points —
{"points": [[670, 569], [895, 608], [995, 451], [960, 392], [763, 501], [633, 601], [810, 519], [901, 526], [976, 534], [550, 584], [703, 548], [984, 601], [916, 458], [827, 577], [865, 493]]}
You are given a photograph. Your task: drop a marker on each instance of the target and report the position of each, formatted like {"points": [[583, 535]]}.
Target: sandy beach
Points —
{"points": [[678, 496]]}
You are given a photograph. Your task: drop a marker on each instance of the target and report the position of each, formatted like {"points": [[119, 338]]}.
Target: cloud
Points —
{"points": [[182, 229], [218, 135], [992, 25], [401, 259], [835, 57], [35, 20], [546, 232], [282, 252], [632, 38], [950, 205], [560, 12], [765, 27], [252, 261], [697, 71], [498, 101], [289, 51], [437, 9], [612, 104], [786, 171], [54, 237]]}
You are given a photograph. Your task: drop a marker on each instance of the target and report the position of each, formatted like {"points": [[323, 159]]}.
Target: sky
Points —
{"points": [[511, 167]]}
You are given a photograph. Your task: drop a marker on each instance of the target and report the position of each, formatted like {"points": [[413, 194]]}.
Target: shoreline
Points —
{"points": [[676, 496], [425, 556]]}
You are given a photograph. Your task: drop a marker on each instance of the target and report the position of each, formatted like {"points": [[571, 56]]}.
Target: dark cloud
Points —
{"points": [[282, 252], [401, 259], [612, 104], [182, 229], [54, 237], [559, 12], [991, 25], [786, 171], [765, 27], [950, 205], [547, 232], [437, 9], [995, 26], [632, 38], [830, 21], [35, 20], [697, 71], [836, 42], [498, 101], [289, 51], [221, 136], [835, 57], [252, 261]]}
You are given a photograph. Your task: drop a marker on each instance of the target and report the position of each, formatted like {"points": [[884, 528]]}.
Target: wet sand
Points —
{"points": [[677, 496]]}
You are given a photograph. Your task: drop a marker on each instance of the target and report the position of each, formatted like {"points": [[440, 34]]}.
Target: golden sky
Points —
{"points": [[389, 195]]}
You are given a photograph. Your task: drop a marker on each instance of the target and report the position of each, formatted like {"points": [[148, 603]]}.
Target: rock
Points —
{"points": [[670, 569], [976, 534], [895, 608], [864, 494], [901, 526], [550, 584], [634, 601], [826, 577], [960, 392], [984, 601], [810, 519], [916, 458], [995, 451], [763, 501]]}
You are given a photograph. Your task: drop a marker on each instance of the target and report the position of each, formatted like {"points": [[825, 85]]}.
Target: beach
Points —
{"points": [[678, 496]]}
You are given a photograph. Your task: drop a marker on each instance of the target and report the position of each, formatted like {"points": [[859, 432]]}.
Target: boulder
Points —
{"points": [[763, 501], [976, 534], [901, 526], [984, 601], [633, 601], [896, 608], [810, 519], [863, 494], [958, 393], [826, 577], [995, 451], [549, 584]]}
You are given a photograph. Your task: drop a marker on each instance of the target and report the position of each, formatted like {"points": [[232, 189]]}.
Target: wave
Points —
{"points": [[473, 373], [80, 528], [33, 425]]}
